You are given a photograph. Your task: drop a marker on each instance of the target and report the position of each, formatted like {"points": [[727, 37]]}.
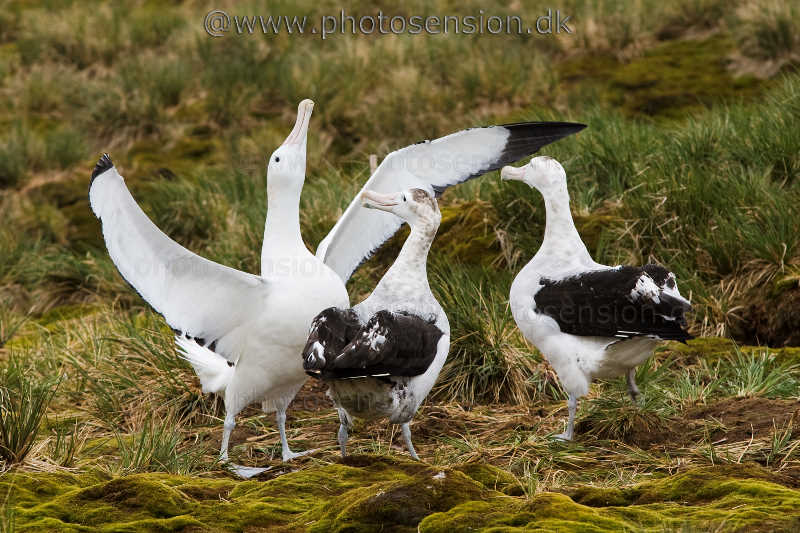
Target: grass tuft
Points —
{"points": [[24, 399], [747, 374], [158, 447], [489, 360]]}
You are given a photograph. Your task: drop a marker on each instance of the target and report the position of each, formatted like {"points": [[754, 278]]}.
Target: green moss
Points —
{"points": [[192, 148], [366, 493], [356, 495], [785, 282], [713, 348], [492, 478], [403, 503], [70, 196], [710, 348], [63, 192], [466, 233], [64, 312], [719, 498], [666, 81], [788, 355], [151, 159]]}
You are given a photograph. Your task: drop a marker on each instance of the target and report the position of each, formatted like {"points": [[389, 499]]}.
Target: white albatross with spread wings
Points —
{"points": [[243, 333], [589, 320]]}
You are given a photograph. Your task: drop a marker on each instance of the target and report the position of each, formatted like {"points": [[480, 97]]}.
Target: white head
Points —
{"points": [[286, 168], [544, 173], [416, 206]]}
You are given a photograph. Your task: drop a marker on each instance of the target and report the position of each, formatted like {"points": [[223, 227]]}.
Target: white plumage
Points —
{"points": [[589, 320], [260, 323], [432, 166], [214, 371]]}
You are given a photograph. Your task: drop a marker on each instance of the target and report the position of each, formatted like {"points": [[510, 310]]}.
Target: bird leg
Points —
{"points": [[286, 452], [572, 405], [633, 390], [407, 437], [342, 436], [230, 423], [245, 472]]}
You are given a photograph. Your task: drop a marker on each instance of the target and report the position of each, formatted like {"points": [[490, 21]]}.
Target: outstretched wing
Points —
{"points": [[198, 297], [389, 344], [622, 302], [433, 166]]}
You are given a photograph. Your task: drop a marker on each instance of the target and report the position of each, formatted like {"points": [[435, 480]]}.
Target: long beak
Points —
{"points": [[676, 301], [509, 173], [300, 131], [384, 202]]}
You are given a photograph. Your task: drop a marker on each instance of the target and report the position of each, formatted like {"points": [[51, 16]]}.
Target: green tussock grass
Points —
{"points": [[24, 400]]}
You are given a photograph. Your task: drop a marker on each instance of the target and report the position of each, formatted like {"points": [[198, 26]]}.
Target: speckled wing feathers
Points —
{"points": [[621, 302], [389, 344]]}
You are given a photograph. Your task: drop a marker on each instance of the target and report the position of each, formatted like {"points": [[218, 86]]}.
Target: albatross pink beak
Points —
{"points": [[509, 173], [300, 131], [375, 200]]}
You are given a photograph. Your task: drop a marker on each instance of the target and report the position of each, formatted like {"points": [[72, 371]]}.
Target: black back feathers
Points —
{"points": [[389, 344], [615, 303]]}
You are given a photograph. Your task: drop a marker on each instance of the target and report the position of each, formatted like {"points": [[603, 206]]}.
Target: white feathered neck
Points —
{"points": [[562, 243], [411, 262], [405, 285], [282, 238]]}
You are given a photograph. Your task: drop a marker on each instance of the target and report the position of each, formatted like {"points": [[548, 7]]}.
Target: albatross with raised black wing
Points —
{"points": [[242, 332]]}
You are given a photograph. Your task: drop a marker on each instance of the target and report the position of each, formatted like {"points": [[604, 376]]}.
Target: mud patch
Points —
{"points": [[629, 424], [731, 419], [743, 418], [770, 319]]}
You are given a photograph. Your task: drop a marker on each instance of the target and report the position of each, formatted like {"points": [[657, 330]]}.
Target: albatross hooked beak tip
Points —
{"points": [[509, 173], [300, 130], [374, 200]]}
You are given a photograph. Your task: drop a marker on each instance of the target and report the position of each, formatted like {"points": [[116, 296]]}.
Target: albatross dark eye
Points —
{"points": [[277, 159]]}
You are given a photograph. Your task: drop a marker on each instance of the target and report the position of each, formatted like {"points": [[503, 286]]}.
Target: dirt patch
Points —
{"points": [[744, 418], [732, 419], [312, 397], [631, 425], [770, 319]]}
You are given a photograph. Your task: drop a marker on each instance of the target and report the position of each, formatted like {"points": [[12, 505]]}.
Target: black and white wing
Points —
{"points": [[389, 344], [197, 297], [622, 302], [331, 331], [433, 166]]}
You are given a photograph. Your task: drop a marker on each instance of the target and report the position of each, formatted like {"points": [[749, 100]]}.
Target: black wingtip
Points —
{"points": [[527, 138], [102, 165], [554, 130]]}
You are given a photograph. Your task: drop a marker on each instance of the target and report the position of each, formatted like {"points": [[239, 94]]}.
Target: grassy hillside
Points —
{"points": [[691, 159]]}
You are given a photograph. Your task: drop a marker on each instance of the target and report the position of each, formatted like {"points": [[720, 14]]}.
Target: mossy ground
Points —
{"points": [[715, 462], [369, 493]]}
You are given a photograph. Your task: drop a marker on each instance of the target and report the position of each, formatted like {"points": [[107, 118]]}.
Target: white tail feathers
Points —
{"points": [[213, 370]]}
